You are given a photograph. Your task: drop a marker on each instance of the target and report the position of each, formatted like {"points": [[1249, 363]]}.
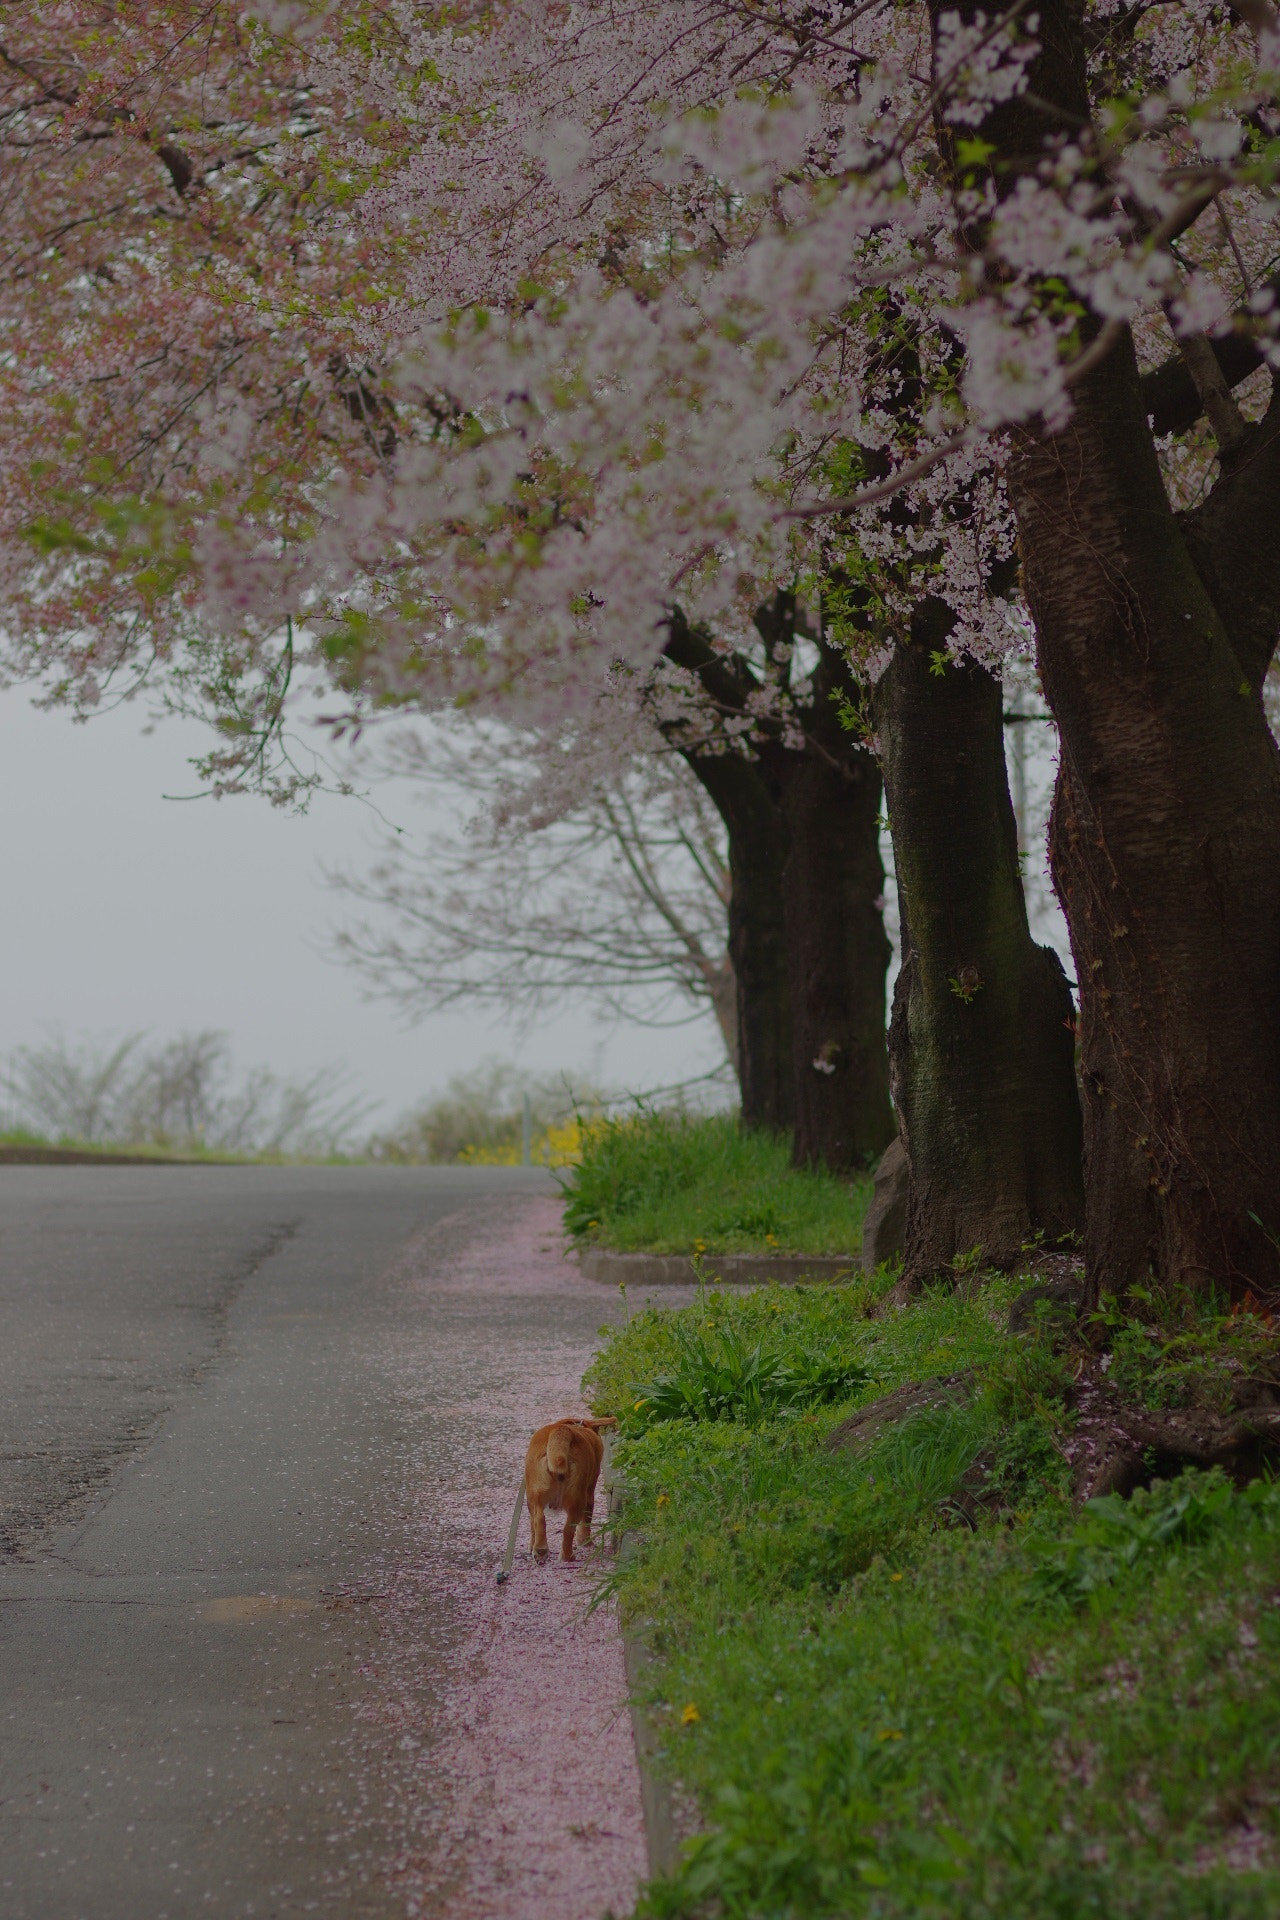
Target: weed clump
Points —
{"points": [[671, 1182], [719, 1376], [1115, 1534]]}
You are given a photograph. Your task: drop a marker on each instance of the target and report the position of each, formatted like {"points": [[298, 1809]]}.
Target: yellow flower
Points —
{"points": [[888, 1733], [690, 1716], [895, 1576], [561, 1145], [664, 1499]]}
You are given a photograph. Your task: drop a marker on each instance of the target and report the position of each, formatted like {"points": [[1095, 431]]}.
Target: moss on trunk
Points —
{"points": [[981, 1040]]}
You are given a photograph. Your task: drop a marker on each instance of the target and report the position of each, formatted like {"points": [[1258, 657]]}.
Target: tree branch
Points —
{"points": [[724, 676], [1230, 428], [1170, 397], [1234, 539]]}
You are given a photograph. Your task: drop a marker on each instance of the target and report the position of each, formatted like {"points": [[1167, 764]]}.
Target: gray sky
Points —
{"points": [[124, 911]]}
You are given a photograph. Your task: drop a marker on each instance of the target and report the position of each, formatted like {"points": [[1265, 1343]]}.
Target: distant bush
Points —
{"points": [[181, 1094], [479, 1121]]}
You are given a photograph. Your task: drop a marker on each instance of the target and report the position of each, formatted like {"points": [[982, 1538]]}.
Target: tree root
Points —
{"points": [[1112, 1445], [1115, 1446], [869, 1422]]}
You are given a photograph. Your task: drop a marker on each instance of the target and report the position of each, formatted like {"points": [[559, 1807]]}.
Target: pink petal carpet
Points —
{"points": [[526, 1754]]}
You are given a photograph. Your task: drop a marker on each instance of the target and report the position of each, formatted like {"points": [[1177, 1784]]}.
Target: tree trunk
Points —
{"points": [[806, 916], [757, 935], [981, 1041], [1154, 632], [1165, 845], [838, 952], [722, 985]]}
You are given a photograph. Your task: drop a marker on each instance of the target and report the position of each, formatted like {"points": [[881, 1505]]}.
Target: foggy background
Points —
{"points": [[121, 910]]}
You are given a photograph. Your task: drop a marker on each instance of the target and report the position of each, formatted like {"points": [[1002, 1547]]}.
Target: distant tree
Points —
{"points": [[480, 1115], [610, 885], [181, 1094]]}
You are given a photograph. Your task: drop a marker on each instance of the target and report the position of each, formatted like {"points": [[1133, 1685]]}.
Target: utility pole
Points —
{"points": [[527, 1131]]}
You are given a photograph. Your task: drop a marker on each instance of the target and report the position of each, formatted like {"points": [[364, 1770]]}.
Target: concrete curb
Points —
{"points": [[662, 1840], [730, 1269]]}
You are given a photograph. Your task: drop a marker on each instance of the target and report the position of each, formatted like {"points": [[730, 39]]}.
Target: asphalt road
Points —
{"points": [[202, 1469]]}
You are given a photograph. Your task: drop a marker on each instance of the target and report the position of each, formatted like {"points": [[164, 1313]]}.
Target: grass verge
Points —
{"points": [[911, 1679], [659, 1182], [20, 1139], [193, 1152]]}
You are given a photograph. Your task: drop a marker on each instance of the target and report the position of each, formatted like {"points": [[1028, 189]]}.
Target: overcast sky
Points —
{"points": [[123, 910]]}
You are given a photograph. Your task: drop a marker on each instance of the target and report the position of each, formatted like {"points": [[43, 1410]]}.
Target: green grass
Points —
{"points": [[661, 1182], [911, 1680], [23, 1137], [149, 1150]]}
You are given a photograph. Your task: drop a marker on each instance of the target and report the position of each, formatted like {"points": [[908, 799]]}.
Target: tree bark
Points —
{"points": [[757, 837], [838, 951], [1165, 844], [1153, 635], [981, 1041], [808, 887], [723, 987]]}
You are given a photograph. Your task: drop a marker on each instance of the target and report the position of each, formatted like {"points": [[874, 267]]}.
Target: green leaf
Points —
{"points": [[973, 151]]}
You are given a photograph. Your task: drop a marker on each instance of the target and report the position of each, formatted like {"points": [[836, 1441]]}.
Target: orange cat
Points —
{"points": [[560, 1473]]}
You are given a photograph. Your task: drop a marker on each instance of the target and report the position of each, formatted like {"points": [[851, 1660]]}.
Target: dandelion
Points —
{"points": [[664, 1499], [690, 1716], [895, 1576], [889, 1733]]}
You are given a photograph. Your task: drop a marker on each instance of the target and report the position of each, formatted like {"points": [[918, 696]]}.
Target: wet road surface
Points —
{"points": [[218, 1389]]}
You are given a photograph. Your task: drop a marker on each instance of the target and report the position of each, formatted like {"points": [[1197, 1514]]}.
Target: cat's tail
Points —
{"points": [[558, 1444]]}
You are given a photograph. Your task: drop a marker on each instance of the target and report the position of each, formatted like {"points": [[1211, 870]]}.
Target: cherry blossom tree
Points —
{"points": [[177, 295], [1039, 207], [615, 288], [800, 798], [1155, 629], [236, 320]]}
